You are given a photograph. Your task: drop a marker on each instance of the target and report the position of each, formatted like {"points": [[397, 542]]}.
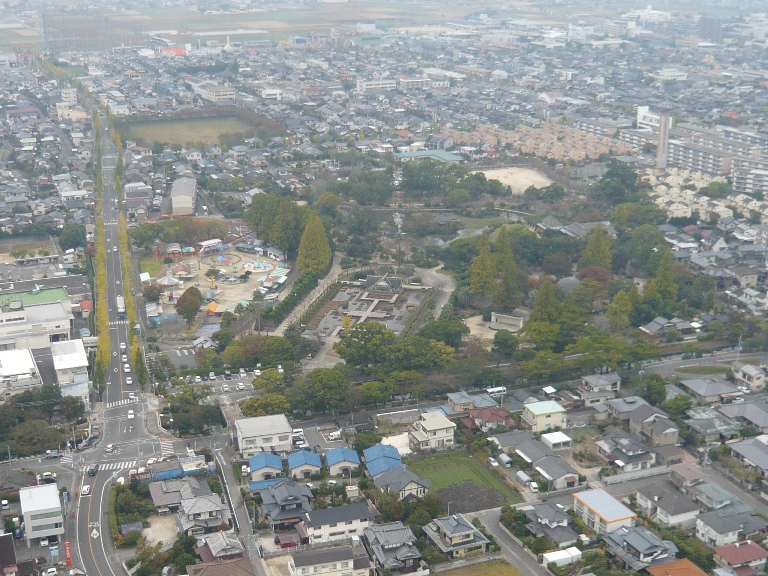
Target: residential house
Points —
{"points": [[167, 494], [265, 466], [238, 567], [557, 440], [544, 416], [432, 431], [624, 452], [381, 457], [717, 529], [715, 497], [666, 506], [749, 376], [637, 547], [203, 514], [263, 434], [710, 389], [687, 475], [335, 523], [402, 482], [601, 511], [303, 464], [599, 388], [219, 546], [621, 408], [711, 425], [285, 502], [455, 536], [652, 425], [392, 547], [509, 441], [460, 403], [342, 561], [557, 472], [342, 461], [753, 414], [486, 419], [8, 564], [680, 567], [548, 520], [743, 558], [753, 452]]}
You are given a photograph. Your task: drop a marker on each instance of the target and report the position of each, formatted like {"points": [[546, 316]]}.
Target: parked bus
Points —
{"points": [[120, 307], [497, 392]]}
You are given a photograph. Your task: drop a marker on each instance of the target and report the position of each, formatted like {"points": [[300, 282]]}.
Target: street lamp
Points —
{"points": [[170, 421]]}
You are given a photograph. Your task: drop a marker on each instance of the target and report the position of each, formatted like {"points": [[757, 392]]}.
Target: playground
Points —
{"points": [[234, 281]]}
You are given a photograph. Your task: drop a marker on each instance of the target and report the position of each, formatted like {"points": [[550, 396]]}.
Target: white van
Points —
{"points": [[5, 505], [534, 487], [335, 435]]}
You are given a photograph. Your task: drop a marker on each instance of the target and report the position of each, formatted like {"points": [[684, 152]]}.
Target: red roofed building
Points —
{"points": [[743, 558], [490, 417], [682, 567]]}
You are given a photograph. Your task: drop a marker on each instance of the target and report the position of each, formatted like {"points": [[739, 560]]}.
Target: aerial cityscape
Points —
{"points": [[353, 288]]}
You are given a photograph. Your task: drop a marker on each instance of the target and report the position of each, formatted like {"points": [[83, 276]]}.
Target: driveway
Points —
{"points": [[443, 282], [513, 553]]}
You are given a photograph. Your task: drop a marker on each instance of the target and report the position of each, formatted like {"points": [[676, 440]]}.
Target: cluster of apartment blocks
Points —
{"points": [[722, 151]]}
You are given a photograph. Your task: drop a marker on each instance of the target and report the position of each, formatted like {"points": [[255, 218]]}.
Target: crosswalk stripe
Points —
{"points": [[122, 402], [66, 459], [117, 465], [118, 322], [166, 447]]}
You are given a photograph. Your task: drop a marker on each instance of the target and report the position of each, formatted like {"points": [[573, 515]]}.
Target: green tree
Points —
{"points": [[664, 284], [152, 292], [34, 437], [223, 337], [330, 389], [507, 295], [598, 249], [654, 389], [265, 405], [314, 249], [618, 311], [72, 408], [505, 342], [72, 236], [482, 270], [546, 306], [678, 405], [364, 344], [449, 331], [269, 381], [189, 303]]}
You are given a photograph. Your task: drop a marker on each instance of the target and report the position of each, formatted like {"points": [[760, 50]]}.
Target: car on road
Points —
{"points": [[124, 357], [86, 490], [123, 346], [131, 415], [744, 389], [132, 396], [110, 448], [128, 381], [151, 461], [492, 461], [126, 368], [93, 469], [240, 386], [114, 248]]}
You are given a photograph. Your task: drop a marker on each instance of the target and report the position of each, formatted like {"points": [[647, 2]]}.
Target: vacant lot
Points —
{"points": [[466, 482], [195, 131], [704, 369], [10, 248], [495, 568]]}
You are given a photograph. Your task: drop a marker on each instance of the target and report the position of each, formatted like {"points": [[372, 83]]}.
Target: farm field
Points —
{"points": [[464, 481], [495, 568], [194, 131]]}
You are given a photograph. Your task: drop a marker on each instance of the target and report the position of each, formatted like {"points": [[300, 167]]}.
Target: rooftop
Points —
{"points": [[604, 505]]}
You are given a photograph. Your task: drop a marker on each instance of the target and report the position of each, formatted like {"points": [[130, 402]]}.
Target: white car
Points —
{"points": [[240, 386], [492, 461], [124, 357], [744, 389], [110, 448], [132, 396], [128, 381], [126, 368], [225, 388], [123, 346], [198, 379], [86, 490], [114, 248], [131, 415]]}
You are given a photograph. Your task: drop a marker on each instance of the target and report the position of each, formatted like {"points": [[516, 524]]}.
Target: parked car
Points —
{"points": [[492, 461]]}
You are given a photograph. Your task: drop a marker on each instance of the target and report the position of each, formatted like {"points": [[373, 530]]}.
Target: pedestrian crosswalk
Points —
{"points": [[184, 352], [122, 402], [66, 459], [166, 448], [118, 322], [118, 465]]}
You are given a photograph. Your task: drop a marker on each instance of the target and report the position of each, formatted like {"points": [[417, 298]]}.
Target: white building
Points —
{"points": [[41, 508], [183, 194], [431, 431], [601, 511], [335, 523], [18, 372], [71, 365], [33, 327], [263, 434]]}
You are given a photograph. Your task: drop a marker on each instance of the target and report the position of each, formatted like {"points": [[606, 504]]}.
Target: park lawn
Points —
{"points": [[455, 468], [150, 265], [495, 568]]}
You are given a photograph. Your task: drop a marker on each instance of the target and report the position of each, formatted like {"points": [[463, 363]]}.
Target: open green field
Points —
{"points": [[495, 568], [704, 369], [151, 266], [194, 131], [464, 481]]}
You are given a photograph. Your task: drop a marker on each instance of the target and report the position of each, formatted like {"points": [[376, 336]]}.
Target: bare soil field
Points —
{"points": [[518, 179], [182, 132]]}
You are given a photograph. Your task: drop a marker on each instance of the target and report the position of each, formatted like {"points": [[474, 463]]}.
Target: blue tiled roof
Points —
{"points": [[265, 460], [262, 484], [303, 457], [376, 467], [379, 451], [342, 455]]}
